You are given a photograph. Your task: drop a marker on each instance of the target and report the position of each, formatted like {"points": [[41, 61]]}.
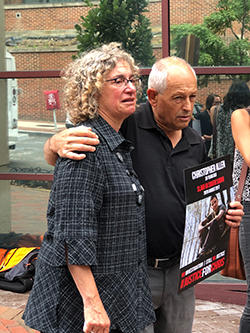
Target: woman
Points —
{"points": [[241, 133], [205, 122], [91, 273], [223, 143]]}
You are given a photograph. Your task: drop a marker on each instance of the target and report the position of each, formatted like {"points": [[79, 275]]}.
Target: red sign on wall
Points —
{"points": [[52, 99]]}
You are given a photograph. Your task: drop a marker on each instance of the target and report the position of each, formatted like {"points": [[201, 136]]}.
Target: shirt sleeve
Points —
{"points": [[74, 205]]}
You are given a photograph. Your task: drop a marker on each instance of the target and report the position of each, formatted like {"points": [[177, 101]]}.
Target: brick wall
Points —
{"points": [[190, 11], [43, 19], [154, 13], [31, 101], [42, 60], [28, 18]]}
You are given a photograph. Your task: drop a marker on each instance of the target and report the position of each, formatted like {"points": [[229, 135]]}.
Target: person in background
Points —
{"points": [[195, 121], [240, 121], [164, 146], [223, 143], [205, 121], [217, 100], [91, 275]]}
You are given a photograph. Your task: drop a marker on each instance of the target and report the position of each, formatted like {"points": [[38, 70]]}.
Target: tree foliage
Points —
{"points": [[117, 21], [223, 35]]}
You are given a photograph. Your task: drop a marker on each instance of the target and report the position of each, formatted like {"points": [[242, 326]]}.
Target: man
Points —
{"points": [[213, 228], [164, 147]]}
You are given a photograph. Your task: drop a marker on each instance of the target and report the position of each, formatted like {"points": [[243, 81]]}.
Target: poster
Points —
{"points": [[208, 191]]}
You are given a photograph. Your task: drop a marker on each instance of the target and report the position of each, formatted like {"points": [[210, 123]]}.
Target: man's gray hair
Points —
{"points": [[158, 76]]}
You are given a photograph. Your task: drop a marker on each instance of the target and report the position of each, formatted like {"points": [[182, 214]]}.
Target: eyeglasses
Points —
{"points": [[121, 81]]}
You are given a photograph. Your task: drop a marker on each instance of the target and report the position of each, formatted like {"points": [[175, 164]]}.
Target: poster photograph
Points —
{"points": [[208, 191]]}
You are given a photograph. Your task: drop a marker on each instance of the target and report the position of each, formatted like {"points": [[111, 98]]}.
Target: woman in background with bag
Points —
{"points": [[240, 121], [222, 141]]}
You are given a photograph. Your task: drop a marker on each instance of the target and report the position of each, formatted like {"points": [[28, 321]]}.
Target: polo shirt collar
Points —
{"points": [[191, 136], [147, 121], [102, 127]]}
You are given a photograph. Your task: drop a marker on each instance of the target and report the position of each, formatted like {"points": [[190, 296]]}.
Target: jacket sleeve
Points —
{"points": [[74, 205]]}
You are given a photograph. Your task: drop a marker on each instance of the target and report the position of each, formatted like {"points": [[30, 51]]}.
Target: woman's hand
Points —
{"points": [[95, 317], [234, 214]]}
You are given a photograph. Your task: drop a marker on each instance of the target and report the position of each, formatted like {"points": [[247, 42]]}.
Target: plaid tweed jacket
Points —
{"points": [[96, 209]]}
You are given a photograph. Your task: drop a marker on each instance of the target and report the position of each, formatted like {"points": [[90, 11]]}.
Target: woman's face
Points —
{"points": [[217, 100], [117, 101]]}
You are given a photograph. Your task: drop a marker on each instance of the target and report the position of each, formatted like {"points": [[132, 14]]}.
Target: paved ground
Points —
{"points": [[210, 317], [219, 301], [39, 126], [216, 317]]}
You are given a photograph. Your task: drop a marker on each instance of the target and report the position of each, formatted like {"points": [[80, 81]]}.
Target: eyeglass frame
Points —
{"points": [[124, 81]]}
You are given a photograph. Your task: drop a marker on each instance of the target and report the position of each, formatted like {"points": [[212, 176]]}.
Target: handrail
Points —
{"points": [[216, 70], [30, 74], [26, 176]]}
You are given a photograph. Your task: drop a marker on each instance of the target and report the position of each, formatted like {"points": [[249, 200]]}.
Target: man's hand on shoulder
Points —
{"points": [[70, 143]]}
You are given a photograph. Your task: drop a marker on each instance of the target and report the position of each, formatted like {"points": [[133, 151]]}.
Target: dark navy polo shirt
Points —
{"points": [[160, 170]]}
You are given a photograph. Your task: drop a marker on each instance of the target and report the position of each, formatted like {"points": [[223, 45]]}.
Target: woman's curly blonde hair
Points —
{"points": [[85, 76]]}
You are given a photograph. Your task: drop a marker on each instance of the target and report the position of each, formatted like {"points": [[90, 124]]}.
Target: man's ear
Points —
{"points": [[152, 96]]}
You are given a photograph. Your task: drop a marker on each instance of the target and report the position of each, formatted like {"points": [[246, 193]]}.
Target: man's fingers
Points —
{"points": [[82, 130], [75, 156], [76, 151], [234, 218], [234, 214], [82, 140], [76, 139], [78, 147], [232, 224], [235, 205], [71, 150]]}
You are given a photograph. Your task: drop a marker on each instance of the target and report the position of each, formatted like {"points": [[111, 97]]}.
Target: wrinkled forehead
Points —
{"points": [[120, 66], [182, 76], [181, 85]]}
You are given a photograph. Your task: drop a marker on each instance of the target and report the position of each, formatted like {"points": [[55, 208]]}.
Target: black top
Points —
{"points": [[160, 169], [206, 126]]}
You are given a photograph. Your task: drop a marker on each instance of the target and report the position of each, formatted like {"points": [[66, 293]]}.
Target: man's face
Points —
{"points": [[214, 204], [173, 108]]}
